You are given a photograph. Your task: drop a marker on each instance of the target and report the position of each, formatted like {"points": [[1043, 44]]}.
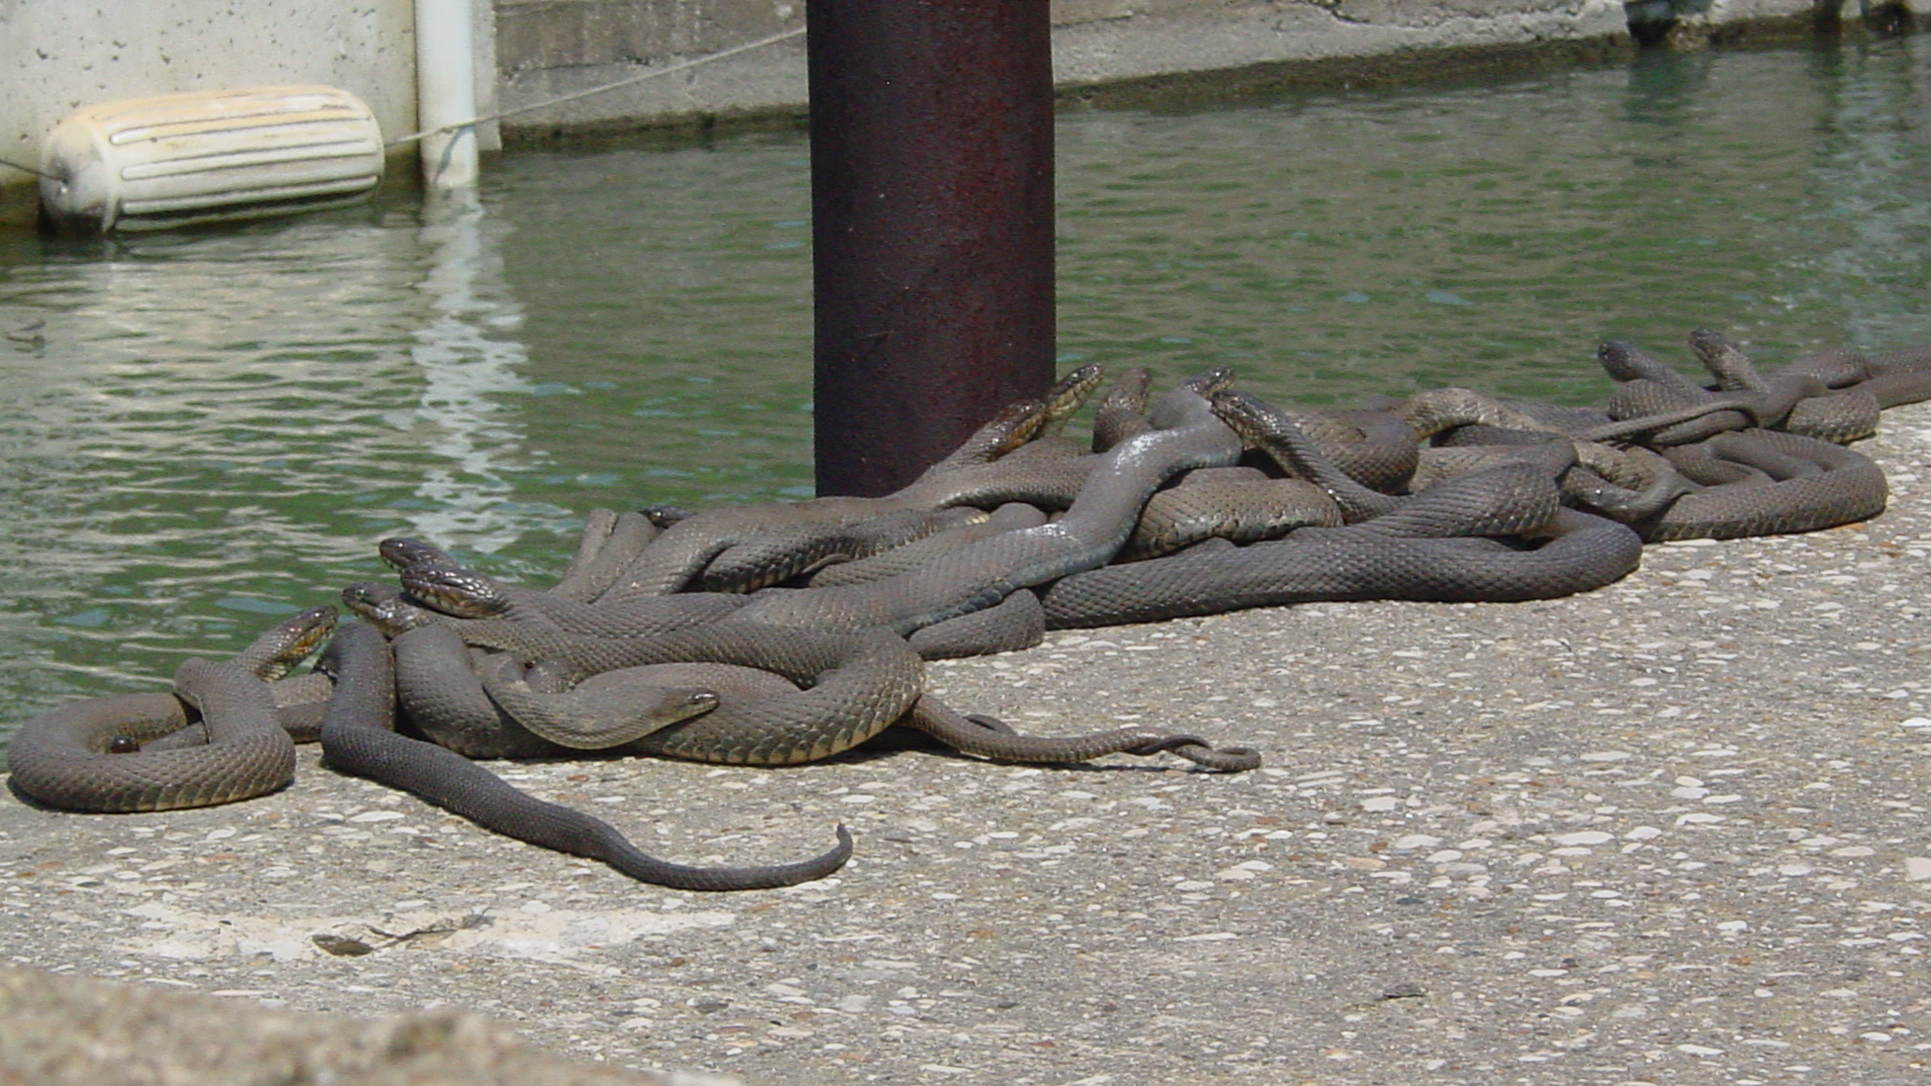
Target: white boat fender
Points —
{"points": [[153, 163]]}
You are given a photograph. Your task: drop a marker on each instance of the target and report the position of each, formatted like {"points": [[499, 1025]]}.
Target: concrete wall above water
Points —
{"points": [[551, 48], [1102, 48]]}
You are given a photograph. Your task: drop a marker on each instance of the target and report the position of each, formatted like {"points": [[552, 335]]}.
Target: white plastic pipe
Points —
{"points": [[446, 93]]}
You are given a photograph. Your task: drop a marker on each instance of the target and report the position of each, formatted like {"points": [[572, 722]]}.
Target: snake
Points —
{"points": [[748, 548], [1683, 489], [112, 754], [610, 541], [789, 632], [359, 737], [837, 714], [465, 711], [846, 703], [1184, 435], [1650, 388], [1798, 484], [799, 550], [973, 474], [1441, 544], [1573, 552], [859, 684]]}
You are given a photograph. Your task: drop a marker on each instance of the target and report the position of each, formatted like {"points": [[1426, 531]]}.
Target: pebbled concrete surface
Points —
{"points": [[73, 1031], [1672, 831]]}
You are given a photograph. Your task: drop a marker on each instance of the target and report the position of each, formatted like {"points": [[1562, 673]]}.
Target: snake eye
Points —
{"points": [[123, 744]]}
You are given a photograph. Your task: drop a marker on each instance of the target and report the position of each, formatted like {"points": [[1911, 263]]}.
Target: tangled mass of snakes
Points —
{"points": [[781, 633]]}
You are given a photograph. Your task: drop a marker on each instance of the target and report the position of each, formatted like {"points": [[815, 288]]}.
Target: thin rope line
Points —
{"points": [[680, 66]]}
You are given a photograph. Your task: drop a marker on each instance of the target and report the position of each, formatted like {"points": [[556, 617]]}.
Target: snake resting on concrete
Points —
{"points": [[791, 632], [110, 754]]}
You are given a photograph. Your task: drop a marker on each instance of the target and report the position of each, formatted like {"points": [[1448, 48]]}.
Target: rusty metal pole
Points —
{"points": [[932, 226]]}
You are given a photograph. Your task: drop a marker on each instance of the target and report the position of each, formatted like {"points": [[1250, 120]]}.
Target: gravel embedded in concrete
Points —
{"points": [[1672, 831]]}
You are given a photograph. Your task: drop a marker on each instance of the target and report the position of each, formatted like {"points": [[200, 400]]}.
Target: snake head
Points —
{"points": [[1624, 361], [1206, 383], [463, 593], [292, 640], [1725, 360], [603, 711], [1121, 413], [287, 643], [403, 553], [1247, 416], [1068, 394], [1631, 506], [384, 607]]}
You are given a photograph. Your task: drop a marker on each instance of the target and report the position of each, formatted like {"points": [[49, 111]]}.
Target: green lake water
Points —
{"points": [[202, 432]]}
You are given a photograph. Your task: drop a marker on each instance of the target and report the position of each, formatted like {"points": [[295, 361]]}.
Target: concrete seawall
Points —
{"points": [[1103, 50], [55, 58]]}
